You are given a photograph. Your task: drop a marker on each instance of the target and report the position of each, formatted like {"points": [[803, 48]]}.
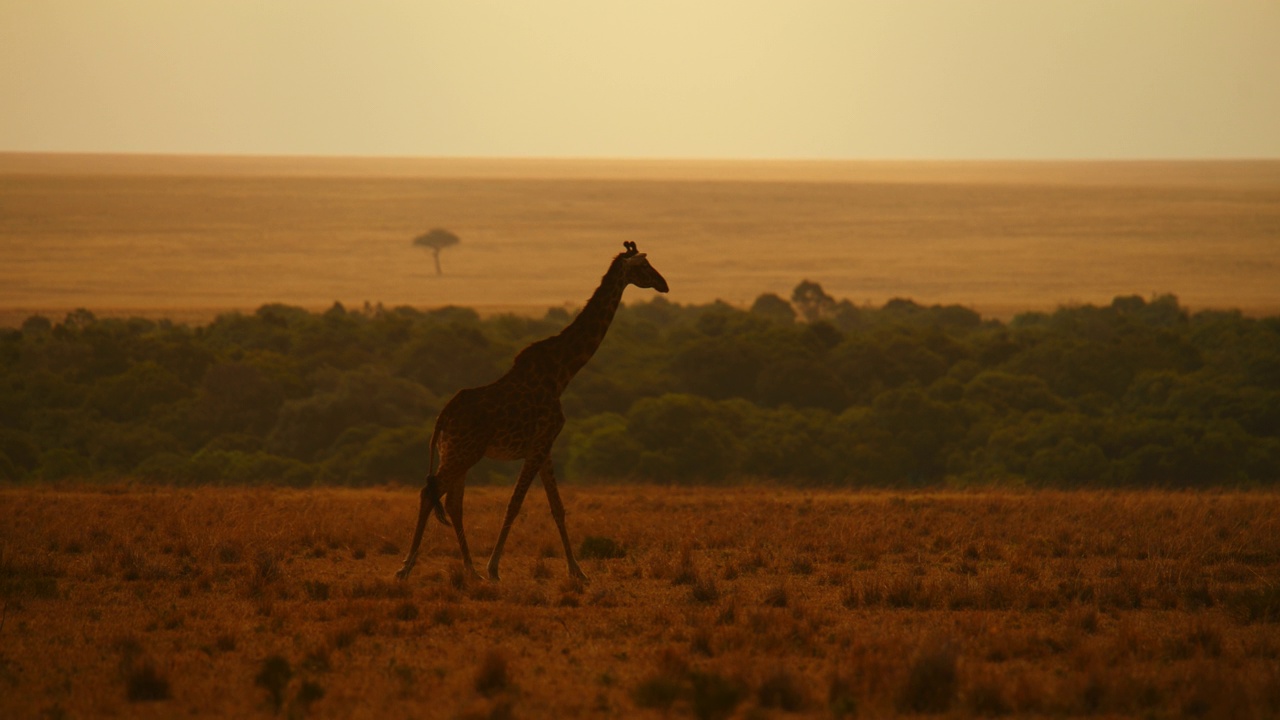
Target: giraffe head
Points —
{"points": [[638, 271]]}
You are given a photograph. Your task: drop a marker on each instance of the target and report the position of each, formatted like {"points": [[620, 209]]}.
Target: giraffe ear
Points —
{"points": [[635, 259]]}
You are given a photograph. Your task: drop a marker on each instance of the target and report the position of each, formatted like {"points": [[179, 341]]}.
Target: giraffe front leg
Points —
{"points": [[557, 512], [513, 509]]}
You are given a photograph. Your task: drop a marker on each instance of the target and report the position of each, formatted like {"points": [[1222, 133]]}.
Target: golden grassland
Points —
{"points": [[186, 238], [749, 602]]}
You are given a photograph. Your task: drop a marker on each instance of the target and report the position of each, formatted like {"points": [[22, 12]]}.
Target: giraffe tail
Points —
{"points": [[431, 499], [431, 493]]}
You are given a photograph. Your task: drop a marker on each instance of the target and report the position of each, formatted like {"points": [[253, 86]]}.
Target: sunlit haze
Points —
{"points": [[856, 80]]}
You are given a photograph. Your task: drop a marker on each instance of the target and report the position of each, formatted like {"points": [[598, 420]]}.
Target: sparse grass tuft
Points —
{"points": [[444, 615], [380, 588], [316, 590], [687, 573], [458, 576], [802, 566], [704, 591], [776, 596], [226, 642], [1256, 604], [342, 639], [229, 553], [265, 572], [34, 576], [484, 592], [317, 660], [405, 611]]}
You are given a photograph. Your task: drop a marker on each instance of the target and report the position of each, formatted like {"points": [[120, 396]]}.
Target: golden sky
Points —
{"points": [[899, 79]]}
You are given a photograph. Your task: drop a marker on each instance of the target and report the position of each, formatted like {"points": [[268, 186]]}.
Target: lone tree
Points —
{"points": [[437, 239]]}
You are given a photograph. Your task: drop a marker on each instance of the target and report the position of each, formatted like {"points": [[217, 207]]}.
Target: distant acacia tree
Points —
{"points": [[437, 239]]}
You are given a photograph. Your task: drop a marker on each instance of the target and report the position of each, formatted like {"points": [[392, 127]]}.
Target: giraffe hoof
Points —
{"points": [[577, 574]]}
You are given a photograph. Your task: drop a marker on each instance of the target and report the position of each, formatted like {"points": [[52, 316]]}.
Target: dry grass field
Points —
{"points": [[186, 238], [756, 602]]}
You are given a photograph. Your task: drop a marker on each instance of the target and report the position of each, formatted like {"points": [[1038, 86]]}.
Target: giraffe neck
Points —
{"points": [[578, 342]]}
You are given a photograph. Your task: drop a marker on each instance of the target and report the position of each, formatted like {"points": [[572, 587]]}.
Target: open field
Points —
{"points": [[750, 602], [186, 238]]}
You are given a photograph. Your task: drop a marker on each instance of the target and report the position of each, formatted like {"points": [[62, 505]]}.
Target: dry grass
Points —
{"points": [[233, 602], [184, 238]]}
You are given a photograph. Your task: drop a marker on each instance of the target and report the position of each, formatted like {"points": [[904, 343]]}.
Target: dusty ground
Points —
{"points": [[145, 602], [186, 238]]}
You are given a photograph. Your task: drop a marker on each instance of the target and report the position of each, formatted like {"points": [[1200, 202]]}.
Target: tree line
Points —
{"points": [[806, 390]]}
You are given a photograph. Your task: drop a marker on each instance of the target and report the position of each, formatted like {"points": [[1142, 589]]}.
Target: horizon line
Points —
{"points": [[639, 158]]}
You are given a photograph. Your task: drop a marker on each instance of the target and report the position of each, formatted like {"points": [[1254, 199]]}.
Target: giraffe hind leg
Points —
{"points": [[525, 479], [454, 507], [429, 499]]}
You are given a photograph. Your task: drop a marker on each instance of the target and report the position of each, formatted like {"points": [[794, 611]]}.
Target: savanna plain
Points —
{"points": [[747, 600], [743, 602], [189, 238]]}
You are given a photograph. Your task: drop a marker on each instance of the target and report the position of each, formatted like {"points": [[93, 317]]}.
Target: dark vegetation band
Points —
{"points": [[809, 390]]}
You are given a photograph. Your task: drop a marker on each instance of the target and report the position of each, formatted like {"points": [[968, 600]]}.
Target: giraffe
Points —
{"points": [[518, 416]]}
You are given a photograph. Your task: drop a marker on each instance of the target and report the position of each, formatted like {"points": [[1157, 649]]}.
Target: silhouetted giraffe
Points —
{"points": [[518, 416]]}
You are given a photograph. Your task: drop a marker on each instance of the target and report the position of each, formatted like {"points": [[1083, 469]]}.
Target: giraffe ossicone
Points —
{"points": [[518, 417]]}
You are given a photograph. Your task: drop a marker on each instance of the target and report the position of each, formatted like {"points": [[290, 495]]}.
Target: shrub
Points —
{"points": [[602, 548], [931, 680], [1136, 392], [145, 684], [782, 690], [657, 692], [274, 677], [841, 698], [309, 693], [709, 695], [493, 675], [714, 696]]}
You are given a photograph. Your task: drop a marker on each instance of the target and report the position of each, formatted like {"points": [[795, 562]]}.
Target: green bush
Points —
{"points": [[814, 389]]}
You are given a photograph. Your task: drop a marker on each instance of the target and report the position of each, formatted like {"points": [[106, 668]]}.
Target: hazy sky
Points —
{"points": [[841, 79]]}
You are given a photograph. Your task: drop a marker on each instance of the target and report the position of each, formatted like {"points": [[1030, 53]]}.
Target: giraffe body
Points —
{"points": [[518, 417]]}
